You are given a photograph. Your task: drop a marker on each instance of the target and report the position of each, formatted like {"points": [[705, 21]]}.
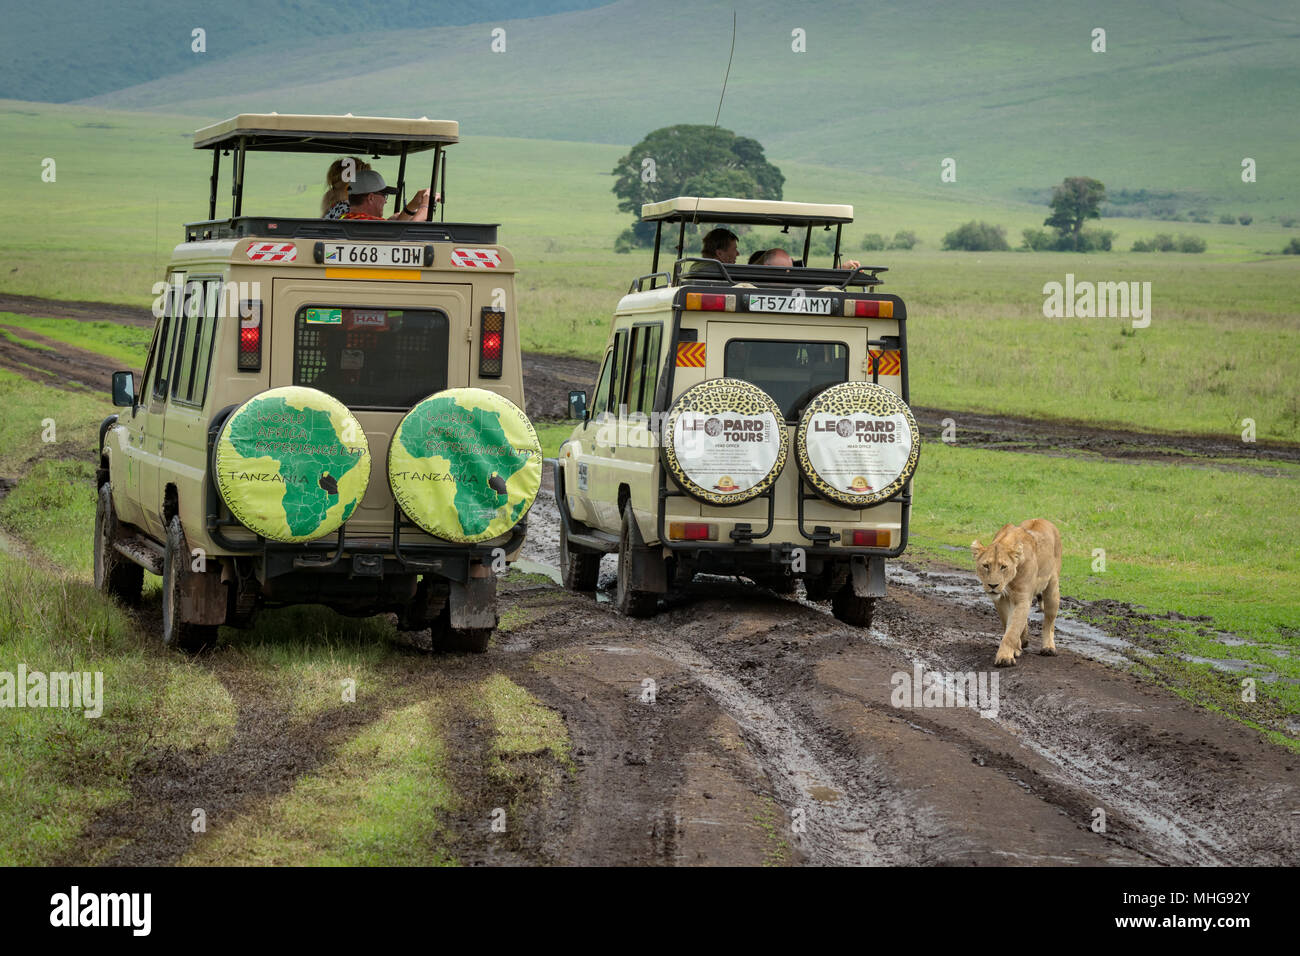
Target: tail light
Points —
{"points": [[250, 335], [870, 539], [869, 308], [710, 302], [491, 343], [692, 531]]}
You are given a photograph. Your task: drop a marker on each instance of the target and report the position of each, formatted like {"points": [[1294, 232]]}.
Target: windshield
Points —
{"points": [[791, 372], [371, 357]]}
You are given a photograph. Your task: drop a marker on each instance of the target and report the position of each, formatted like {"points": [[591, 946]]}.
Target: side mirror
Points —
{"points": [[578, 405], [124, 389]]}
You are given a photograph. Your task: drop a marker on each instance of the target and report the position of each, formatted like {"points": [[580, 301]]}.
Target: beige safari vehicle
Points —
{"points": [[330, 409], [748, 420]]}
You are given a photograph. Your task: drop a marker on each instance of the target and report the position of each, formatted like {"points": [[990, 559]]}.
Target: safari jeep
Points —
{"points": [[330, 409], [748, 420]]}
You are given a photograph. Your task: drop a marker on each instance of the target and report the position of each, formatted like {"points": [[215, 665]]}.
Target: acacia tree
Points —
{"points": [[689, 160], [1077, 199]]}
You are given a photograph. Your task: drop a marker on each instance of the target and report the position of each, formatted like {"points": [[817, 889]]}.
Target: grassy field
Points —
{"points": [[1223, 343], [1013, 91]]}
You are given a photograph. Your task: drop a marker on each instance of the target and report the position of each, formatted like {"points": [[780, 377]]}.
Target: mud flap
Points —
{"points": [[204, 598], [868, 576], [649, 570], [474, 603]]}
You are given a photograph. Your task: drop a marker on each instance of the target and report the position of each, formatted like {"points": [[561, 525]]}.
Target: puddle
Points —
{"points": [[824, 794]]}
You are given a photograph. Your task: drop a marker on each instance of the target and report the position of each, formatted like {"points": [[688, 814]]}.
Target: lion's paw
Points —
{"points": [[1004, 660], [1048, 651]]}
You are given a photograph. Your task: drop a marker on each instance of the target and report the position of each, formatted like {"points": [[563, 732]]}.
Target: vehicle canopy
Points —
{"points": [[373, 136], [692, 210]]}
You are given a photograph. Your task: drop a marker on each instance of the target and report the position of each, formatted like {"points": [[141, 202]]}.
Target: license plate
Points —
{"points": [[373, 254], [804, 304]]}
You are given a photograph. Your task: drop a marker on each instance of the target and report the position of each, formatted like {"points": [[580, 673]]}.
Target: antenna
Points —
{"points": [[717, 116]]}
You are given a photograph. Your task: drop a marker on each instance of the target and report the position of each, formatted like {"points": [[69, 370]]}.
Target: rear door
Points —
{"points": [[378, 347]]}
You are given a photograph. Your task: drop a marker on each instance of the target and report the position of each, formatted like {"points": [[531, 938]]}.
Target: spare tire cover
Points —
{"points": [[857, 444], [465, 464], [724, 441], [292, 463]]}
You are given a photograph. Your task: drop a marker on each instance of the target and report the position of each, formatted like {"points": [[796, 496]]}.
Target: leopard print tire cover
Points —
{"points": [[724, 441], [857, 444]]}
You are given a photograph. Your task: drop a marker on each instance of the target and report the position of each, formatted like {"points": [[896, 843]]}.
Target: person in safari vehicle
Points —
{"points": [[368, 193]]}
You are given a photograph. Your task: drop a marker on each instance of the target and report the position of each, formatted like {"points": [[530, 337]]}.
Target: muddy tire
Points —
{"points": [[177, 633], [629, 601], [820, 587], [458, 640], [578, 571], [115, 574], [851, 609]]}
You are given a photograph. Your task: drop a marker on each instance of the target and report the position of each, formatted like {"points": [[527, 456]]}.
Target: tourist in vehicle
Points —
{"points": [[367, 195], [334, 204], [779, 257], [720, 244]]}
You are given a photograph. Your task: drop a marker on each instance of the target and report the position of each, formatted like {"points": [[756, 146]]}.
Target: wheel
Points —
{"points": [[851, 609], [176, 568], [578, 571], [471, 640], [629, 601], [115, 574]]}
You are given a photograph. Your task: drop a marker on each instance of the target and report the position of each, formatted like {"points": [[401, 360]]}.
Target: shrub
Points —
{"points": [[1245, 219], [977, 237], [1191, 244], [1293, 248], [1227, 219], [1143, 245], [904, 239], [1199, 215], [1286, 221], [873, 242], [1096, 240], [1038, 240]]}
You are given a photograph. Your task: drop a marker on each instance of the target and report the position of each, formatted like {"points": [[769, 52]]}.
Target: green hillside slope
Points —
{"points": [[1011, 90]]}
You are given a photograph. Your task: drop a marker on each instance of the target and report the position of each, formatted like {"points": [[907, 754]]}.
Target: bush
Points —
{"points": [[1199, 215], [1227, 219], [1245, 219], [1293, 248], [904, 239], [977, 237], [625, 243], [1094, 240], [1038, 240], [1286, 221], [1167, 243], [873, 242]]}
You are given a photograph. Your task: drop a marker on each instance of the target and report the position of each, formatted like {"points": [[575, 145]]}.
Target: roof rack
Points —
{"points": [[752, 212], [306, 133], [711, 270]]}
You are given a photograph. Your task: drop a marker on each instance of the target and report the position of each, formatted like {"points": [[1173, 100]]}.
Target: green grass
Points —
{"points": [[1222, 346], [1013, 92], [1202, 543], [127, 343], [377, 802]]}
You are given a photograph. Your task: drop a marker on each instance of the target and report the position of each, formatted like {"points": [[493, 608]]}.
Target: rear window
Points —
{"points": [[791, 372], [371, 357]]}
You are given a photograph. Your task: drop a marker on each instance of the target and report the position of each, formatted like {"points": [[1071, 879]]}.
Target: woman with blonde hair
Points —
{"points": [[342, 172]]}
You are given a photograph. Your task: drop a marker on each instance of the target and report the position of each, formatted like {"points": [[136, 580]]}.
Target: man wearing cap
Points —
{"points": [[368, 193]]}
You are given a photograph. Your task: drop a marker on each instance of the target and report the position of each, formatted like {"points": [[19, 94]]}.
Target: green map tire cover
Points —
{"points": [[857, 444], [465, 464], [724, 441], [292, 464]]}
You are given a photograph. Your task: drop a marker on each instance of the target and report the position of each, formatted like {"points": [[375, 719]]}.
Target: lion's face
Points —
{"points": [[997, 564]]}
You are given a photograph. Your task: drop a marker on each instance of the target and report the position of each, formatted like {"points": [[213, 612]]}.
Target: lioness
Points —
{"points": [[1022, 562]]}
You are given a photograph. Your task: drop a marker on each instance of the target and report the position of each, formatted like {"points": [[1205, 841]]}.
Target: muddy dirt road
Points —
{"points": [[739, 727]]}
